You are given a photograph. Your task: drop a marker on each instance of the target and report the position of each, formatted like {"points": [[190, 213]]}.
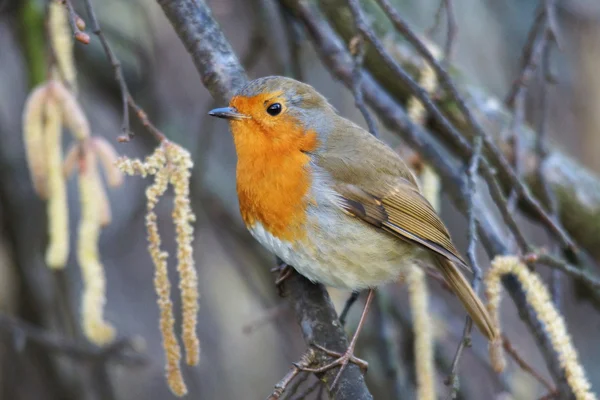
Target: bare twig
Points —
{"points": [[525, 366], [357, 49], [282, 385], [472, 232], [309, 390], [387, 346], [122, 351], [294, 388], [451, 27], [76, 23], [516, 97], [557, 263], [126, 98], [548, 197], [465, 341], [294, 42], [529, 60]]}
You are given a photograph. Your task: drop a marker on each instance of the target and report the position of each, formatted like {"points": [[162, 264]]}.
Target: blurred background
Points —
{"points": [[248, 335]]}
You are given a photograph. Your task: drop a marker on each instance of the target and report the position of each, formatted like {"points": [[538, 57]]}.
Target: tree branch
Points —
{"points": [[221, 72], [121, 351], [223, 75]]}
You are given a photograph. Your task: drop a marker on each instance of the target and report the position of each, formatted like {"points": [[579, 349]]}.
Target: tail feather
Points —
{"points": [[472, 303]]}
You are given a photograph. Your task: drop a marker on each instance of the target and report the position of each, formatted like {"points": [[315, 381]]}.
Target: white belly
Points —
{"points": [[341, 252]]}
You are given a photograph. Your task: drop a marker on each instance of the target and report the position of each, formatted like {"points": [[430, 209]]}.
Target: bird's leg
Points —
{"points": [[284, 272], [348, 356]]}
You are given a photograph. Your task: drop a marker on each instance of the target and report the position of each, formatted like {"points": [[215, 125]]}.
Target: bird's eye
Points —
{"points": [[274, 109]]}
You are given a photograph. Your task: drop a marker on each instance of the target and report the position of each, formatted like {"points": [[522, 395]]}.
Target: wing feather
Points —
{"points": [[410, 218]]}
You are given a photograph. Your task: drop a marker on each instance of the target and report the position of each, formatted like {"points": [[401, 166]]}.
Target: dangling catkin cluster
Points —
{"points": [[42, 132], [50, 107], [163, 286], [540, 300], [417, 284], [183, 218], [171, 164], [93, 204]]}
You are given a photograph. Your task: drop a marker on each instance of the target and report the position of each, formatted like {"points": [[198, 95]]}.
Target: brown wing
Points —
{"points": [[403, 212], [375, 184]]}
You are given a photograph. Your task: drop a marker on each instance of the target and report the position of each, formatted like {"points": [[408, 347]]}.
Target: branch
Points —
{"points": [[126, 99], [121, 351], [223, 75], [221, 72]]}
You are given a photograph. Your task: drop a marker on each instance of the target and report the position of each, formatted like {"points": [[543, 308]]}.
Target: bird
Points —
{"points": [[333, 201]]}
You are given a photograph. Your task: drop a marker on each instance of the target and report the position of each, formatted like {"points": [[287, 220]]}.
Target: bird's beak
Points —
{"points": [[227, 113]]}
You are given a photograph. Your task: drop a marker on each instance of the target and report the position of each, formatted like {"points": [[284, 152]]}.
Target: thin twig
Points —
{"points": [[516, 97], [550, 9], [357, 49], [293, 389], [387, 346], [294, 43], [465, 341], [525, 366], [548, 196], [554, 262], [309, 390], [280, 387], [529, 59], [122, 351], [451, 27], [126, 98], [75, 21]]}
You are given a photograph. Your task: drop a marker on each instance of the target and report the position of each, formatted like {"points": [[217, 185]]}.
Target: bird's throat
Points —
{"points": [[273, 185]]}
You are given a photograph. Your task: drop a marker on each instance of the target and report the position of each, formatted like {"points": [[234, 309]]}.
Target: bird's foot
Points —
{"points": [[284, 272], [342, 360]]}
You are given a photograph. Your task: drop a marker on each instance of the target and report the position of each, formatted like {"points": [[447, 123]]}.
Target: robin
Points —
{"points": [[333, 201]]}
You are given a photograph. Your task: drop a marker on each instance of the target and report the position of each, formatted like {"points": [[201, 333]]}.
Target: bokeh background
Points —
{"points": [[248, 335]]}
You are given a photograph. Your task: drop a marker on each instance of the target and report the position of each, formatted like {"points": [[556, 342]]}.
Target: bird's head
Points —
{"points": [[278, 112]]}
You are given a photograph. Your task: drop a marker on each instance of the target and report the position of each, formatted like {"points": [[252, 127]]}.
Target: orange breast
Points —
{"points": [[274, 177]]}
